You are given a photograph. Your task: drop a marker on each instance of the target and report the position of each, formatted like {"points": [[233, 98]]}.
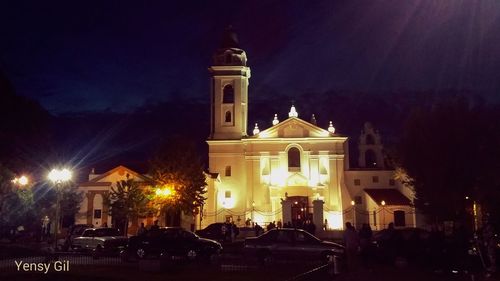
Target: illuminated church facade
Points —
{"points": [[294, 170]]}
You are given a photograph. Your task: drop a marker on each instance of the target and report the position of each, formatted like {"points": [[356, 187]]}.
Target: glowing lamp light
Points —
{"points": [[58, 176], [256, 129], [334, 220], [21, 181], [275, 120], [331, 129], [353, 203], [293, 112], [164, 192], [383, 202]]}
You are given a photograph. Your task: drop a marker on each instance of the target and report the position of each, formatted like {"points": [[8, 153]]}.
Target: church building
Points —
{"points": [[293, 171]]}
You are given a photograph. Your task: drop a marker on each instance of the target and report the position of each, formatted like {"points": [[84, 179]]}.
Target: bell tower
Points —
{"points": [[229, 90], [370, 148]]}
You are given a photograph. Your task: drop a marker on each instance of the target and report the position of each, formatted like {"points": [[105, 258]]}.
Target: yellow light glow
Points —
{"points": [[264, 135], [325, 134], [278, 177], [260, 219], [228, 203], [352, 202], [58, 176], [383, 202], [164, 192], [334, 219], [21, 181]]}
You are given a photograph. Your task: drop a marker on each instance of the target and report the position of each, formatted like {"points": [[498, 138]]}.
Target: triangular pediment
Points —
{"points": [[121, 172], [294, 127], [297, 179]]}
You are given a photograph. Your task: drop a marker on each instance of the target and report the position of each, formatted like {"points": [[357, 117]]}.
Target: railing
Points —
{"points": [[236, 263], [71, 258]]}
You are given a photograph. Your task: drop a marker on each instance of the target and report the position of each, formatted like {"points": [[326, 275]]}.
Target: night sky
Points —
{"points": [[76, 56]]}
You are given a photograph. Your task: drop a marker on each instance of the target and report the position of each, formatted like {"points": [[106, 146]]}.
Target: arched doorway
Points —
{"points": [[300, 210]]}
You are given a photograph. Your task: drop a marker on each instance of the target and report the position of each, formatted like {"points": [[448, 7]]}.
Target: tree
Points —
{"points": [[71, 199], [6, 177], [177, 170], [450, 152], [128, 200]]}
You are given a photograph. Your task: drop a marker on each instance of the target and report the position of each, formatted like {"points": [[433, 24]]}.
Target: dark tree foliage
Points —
{"points": [[451, 151], [128, 200], [177, 165], [5, 185]]}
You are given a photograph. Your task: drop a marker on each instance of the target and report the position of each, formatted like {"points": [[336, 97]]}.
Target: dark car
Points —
{"points": [[172, 243], [218, 231], [409, 243], [289, 243], [99, 241], [73, 232]]}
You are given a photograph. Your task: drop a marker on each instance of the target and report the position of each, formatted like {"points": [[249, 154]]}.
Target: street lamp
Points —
{"points": [[21, 181], [58, 177]]}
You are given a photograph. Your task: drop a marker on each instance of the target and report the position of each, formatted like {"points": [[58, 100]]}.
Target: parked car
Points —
{"points": [[218, 231], [171, 243], [290, 243], [73, 232], [99, 241]]}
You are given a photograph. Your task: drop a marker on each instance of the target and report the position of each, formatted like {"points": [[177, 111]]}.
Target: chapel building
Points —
{"points": [[293, 171]]}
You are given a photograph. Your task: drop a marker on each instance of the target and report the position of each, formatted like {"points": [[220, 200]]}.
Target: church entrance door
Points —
{"points": [[300, 210]]}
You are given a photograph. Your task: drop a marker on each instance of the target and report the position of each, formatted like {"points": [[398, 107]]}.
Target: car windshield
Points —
{"points": [[106, 232], [176, 233], [302, 236]]}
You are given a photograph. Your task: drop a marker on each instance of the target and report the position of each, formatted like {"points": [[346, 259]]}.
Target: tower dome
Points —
{"points": [[229, 52]]}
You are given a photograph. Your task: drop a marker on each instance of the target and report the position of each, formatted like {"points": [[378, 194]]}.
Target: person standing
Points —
{"points": [[365, 240], [351, 242], [155, 226], [141, 229]]}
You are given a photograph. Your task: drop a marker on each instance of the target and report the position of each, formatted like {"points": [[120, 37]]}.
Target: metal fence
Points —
{"points": [[227, 263], [64, 258]]}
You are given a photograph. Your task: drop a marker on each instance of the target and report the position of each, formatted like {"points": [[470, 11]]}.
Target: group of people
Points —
{"points": [[357, 243], [229, 231], [306, 225]]}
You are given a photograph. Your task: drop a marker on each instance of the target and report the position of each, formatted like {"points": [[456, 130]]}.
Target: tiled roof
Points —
{"points": [[389, 195]]}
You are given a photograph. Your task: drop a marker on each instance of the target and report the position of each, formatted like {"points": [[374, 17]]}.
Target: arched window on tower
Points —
{"points": [[228, 94], [370, 139], [370, 159], [227, 118], [293, 159]]}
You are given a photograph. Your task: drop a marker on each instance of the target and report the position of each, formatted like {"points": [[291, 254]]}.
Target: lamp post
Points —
{"points": [[58, 177]]}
